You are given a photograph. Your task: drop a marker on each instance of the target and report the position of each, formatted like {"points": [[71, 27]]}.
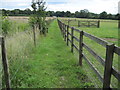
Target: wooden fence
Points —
{"points": [[5, 63], [86, 23], [119, 24], [111, 49]]}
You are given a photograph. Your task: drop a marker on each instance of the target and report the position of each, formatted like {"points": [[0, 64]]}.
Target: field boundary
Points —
{"points": [[111, 49]]}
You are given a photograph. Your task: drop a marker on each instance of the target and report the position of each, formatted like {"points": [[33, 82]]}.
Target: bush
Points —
{"points": [[6, 26]]}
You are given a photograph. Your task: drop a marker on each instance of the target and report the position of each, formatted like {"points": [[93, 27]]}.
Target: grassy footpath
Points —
{"points": [[52, 65]]}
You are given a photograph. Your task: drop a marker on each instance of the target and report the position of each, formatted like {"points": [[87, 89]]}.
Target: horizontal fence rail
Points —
{"points": [[68, 35]]}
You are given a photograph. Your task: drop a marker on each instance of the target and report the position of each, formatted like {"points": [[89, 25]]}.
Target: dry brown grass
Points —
{"points": [[23, 18]]}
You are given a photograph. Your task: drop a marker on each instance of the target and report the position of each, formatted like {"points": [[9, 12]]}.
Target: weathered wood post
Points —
{"points": [[68, 22], [108, 65], [34, 35], [64, 32], [62, 29], [98, 24], [67, 34], [72, 33], [80, 47], [88, 23], [5, 63], [60, 26], [119, 24], [78, 23]]}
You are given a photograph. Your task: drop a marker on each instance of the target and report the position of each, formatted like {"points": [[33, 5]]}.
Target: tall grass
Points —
{"points": [[19, 44], [19, 47]]}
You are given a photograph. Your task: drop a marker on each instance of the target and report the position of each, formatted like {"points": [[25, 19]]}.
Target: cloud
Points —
{"points": [[96, 6]]}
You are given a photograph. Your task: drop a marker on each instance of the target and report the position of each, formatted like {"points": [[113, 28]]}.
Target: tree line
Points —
{"points": [[78, 14]]}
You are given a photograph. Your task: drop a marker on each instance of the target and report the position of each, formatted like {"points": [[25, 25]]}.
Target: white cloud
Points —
{"points": [[96, 6]]}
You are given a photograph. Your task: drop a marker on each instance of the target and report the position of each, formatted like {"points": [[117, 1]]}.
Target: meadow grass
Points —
{"points": [[53, 65], [48, 65], [108, 31], [19, 43]]}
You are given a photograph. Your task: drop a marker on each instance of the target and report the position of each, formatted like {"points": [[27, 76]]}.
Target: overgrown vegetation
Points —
{"points": [[6, 24], [37, 20], [49, 65], [10, 27], [19, 43]]}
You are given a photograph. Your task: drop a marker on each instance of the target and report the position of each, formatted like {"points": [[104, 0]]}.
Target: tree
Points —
{"points": [[4, 12], [110, 16], [77, 14], [6, 24], [103, 15], [27, 11], [50, 13], [37, 20], [68, 14]]}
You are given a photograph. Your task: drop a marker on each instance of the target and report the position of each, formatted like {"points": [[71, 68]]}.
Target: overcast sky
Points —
{"points": [[96, 6]]}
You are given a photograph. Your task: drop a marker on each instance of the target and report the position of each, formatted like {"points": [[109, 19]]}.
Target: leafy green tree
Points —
{"points": [[6, 24], [37, 20], [68, 14], [103, 15]]}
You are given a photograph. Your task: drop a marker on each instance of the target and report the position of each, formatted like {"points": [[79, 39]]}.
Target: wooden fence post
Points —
{"points": [[61, 27], [98, 24], [108, 65], [80, 47], [5, 64], [88, 23], [34, 35], [72, 32], [67, 34], [68, 22], [78, 23], [119, 24], [64, 32]]}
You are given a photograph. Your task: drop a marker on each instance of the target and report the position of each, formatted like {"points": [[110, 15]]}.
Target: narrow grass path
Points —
{"points": [[52, 65]]}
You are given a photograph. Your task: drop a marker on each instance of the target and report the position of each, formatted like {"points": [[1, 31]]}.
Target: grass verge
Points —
{"points": [[49, 65]]}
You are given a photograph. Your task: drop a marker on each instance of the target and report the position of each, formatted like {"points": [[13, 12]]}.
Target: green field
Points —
{"points": [[108, 31], [51, 64]]}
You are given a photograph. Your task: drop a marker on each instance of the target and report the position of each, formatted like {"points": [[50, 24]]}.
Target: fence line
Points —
{"points": [[86, 23], [110, 50]]}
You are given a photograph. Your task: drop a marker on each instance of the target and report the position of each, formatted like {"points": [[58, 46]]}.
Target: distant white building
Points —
{"points": [[119, 7]]}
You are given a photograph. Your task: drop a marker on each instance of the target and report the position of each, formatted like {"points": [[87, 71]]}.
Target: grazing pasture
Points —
{"points": [[51, 64], [45, 66], [108, 31], [108, 28]]}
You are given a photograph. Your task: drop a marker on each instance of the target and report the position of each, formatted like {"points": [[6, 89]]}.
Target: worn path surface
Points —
{"points": [[52, 65]]}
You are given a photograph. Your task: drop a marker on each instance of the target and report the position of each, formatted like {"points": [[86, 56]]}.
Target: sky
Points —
{"points": [[95, 6]]}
